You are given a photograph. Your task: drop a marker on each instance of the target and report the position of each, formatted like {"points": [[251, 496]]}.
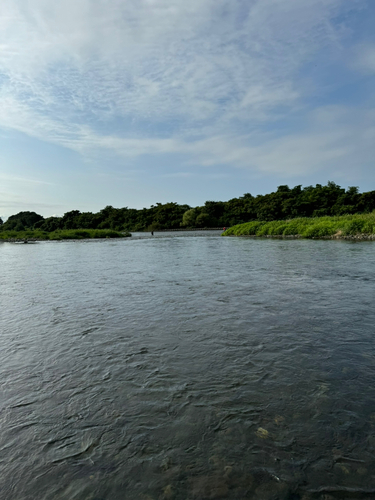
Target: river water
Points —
{"points": [[187, 366]]}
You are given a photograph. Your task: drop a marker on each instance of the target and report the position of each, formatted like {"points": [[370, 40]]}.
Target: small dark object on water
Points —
{"points": [[152, 233]]}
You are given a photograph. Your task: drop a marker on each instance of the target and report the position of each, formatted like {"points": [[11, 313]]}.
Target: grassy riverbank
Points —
{"points": [[64, 234], [359, 226]]}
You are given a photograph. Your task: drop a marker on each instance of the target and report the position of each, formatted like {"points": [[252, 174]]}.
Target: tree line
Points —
{"points": [[285, 203]]}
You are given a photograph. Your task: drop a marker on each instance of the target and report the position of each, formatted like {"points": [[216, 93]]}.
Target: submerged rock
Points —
{"points": [[262, 433]]}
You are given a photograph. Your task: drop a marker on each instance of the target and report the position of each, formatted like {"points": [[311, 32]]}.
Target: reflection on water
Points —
{"points": [[187, 368]]}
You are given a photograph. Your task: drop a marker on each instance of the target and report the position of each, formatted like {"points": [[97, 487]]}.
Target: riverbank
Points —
{"points": [[356, 237], [185, 229], [66, 234], [349, 227]]}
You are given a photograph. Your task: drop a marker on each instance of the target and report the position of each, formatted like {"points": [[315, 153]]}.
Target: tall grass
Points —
{"points": [[64, 234], [315, 227]]}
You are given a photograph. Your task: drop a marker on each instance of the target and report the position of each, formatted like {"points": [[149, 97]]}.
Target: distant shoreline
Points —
{"points": [[351, 237], [183, 229], [357, 227], [31, 236]]}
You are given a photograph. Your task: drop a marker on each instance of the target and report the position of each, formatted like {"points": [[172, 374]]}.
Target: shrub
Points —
{"points": [[315, 227]]}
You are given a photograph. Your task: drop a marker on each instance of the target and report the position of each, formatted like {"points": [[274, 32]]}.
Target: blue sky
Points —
{"points": [[133, 102]]}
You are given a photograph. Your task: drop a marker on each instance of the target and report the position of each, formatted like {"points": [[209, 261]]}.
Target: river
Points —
{"points": [[187, 366]]}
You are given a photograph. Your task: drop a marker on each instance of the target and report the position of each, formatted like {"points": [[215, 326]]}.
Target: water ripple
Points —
{"points": [[179, 368]]}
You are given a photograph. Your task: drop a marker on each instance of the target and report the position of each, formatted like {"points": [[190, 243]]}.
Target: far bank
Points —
{"points": [[349, 227]]}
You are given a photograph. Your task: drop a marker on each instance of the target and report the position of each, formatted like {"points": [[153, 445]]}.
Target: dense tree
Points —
{"points": [[203, 220], [169, 215], [70, 220], [21, 221], [215, 209], [285, 203], [366, 202], [189, 217], [50, 224]]}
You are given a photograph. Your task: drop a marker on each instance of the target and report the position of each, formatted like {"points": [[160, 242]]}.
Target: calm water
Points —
{"points": [[182, 367]]}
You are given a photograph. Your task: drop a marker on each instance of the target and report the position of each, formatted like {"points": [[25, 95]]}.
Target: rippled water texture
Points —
{"points": [[187, 368]]}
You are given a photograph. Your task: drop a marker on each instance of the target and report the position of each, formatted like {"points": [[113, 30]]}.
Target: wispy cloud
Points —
{"points": [[214, 82], [335, 136], [23, 180], [183, 65]]}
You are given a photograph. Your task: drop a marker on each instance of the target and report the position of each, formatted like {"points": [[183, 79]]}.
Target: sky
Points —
{"points": [[133, 102]]}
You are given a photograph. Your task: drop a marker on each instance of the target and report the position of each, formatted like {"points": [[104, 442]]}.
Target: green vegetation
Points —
{"points": [[21, 221], [315, 227], [197, 217], [157, 217], [66, 234], [283, 204]]}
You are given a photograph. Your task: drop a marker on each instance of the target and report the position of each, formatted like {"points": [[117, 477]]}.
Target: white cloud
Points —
{"points": [[332, 137], [93, 62], [203, 79]]}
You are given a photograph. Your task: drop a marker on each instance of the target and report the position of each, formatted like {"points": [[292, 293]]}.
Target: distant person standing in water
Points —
{"points": [[152, 233]]}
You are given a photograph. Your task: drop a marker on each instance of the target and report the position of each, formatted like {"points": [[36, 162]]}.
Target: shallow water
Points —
{"points": [[182, 367]]}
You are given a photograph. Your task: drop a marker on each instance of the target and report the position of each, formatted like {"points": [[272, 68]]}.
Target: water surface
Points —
{"points": [[183, 367]]}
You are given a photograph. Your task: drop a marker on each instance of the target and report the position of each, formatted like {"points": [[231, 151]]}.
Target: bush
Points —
{"points": [[316, 227], [64, 234]]}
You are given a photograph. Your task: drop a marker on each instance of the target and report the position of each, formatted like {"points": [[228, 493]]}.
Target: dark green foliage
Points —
{"points": [[70, 220], [159, 216], [286, 203], [283, 204], [215, 209], [203, 220], [21, 221], [49, 224], [169, 215]]}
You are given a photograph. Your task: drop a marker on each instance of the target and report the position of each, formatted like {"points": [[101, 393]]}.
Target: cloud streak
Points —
{"points": [[94, 63], [214, 82]]}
